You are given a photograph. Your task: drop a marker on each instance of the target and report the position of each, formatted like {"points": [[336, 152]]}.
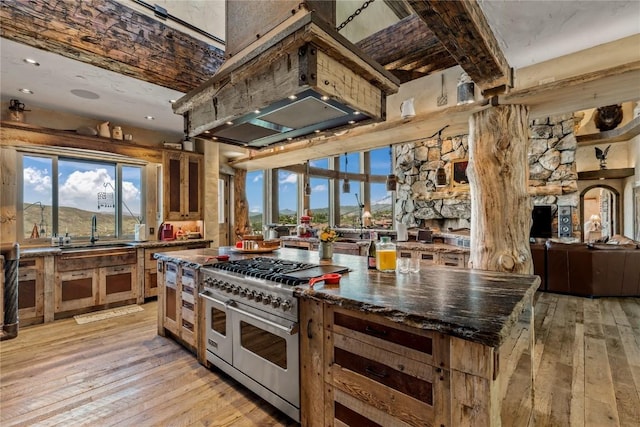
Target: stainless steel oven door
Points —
{"points": [[266, 349], [218, 326]]}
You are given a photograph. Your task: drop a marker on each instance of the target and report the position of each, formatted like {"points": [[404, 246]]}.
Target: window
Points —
{"points": [[287, 197], [255, 197], [37, 197], [349, 208], [319, 198], [61, 195], [381, 200]]}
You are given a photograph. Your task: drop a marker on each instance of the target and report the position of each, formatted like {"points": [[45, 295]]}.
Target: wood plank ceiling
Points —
{"points": [[113, 36]]}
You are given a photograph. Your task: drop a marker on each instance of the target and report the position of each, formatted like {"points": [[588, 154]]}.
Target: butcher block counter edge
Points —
{"points": [[478, 306]]}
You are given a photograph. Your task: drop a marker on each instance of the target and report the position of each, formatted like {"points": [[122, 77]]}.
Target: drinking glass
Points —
{"points": [[403, 264]]}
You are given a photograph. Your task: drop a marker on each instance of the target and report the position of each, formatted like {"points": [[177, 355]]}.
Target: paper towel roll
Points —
{"points": [[140, 232]]}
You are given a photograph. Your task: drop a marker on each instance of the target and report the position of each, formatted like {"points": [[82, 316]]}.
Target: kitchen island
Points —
{"points": [[445, 346]]}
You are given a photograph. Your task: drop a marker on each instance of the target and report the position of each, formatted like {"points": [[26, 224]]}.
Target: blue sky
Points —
{"points": [[287, 183], [79, 183]]}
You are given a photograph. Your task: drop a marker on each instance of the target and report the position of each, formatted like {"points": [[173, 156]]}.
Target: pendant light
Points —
{"points": [[307, 185], [392, 180], [346, 186]]}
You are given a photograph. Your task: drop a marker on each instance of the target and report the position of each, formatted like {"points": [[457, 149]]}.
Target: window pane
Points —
{"points": [[287, 197], [381, 206], [255, 197], [131, 198], [380, 161], [349, 209], [86, 189], [37, 196], [319, 199]]}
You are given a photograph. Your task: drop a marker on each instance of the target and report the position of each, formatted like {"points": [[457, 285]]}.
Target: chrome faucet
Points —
{"points": [[94, 229]]}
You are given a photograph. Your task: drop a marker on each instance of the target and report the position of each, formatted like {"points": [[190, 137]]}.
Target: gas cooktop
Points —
{"points": [[273, 269]]}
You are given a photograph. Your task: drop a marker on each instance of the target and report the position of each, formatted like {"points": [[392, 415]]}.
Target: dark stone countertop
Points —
{"points": [[38, 251], [479, 306]]}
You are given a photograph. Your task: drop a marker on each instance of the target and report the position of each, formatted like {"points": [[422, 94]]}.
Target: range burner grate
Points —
{"points": [[273, 269]]}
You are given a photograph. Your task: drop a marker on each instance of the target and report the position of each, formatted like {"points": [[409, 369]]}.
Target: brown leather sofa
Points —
{"points": [[592, 270]]}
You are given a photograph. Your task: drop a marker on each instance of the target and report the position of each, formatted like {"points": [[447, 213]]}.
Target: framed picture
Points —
{"points": [[459, 173]]}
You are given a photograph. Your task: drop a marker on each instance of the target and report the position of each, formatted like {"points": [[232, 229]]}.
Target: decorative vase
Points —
{"points": [[325, 250]]}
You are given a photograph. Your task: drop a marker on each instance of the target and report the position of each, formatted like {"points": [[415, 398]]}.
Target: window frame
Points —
{"points": [[86, 156]]}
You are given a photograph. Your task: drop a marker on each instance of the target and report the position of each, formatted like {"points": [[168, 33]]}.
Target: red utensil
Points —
{"points": [[328, 279]]}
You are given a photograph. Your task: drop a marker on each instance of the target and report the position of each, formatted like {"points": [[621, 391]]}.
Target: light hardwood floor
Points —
{"points": [[119, 372]]}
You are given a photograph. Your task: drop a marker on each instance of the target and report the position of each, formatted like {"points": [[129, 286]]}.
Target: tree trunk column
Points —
{"points": [[240, 205], [500, 205]]}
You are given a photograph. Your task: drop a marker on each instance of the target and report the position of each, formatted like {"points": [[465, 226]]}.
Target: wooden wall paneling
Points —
{"points": [[8, 195], [311, 363], [162, 296], [19, 134], [110, 35], [139, 278], [1, 292], [50, 277], [500, 204]]}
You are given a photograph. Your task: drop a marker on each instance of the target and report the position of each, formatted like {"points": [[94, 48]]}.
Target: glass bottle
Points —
{"points": [[386, 255], [371, 257]]}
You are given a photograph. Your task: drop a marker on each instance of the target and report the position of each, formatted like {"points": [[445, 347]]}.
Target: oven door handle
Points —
{"points": [[291, 330]]}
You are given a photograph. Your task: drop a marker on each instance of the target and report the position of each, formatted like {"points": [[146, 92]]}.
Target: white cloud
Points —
{"points": [[131, 196], [37, 185], [320, 188], [255, 210], [290, 178], [81, 189], [257, 178]]}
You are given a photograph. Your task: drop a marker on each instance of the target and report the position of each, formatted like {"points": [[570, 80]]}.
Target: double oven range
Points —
{"points": [[252, 326]]}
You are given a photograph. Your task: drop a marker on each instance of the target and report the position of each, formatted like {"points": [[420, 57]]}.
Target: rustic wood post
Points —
{"points": [[240, 204], [500, 204]]}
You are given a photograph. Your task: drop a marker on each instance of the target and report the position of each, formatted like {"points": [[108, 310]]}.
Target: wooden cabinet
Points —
{"points": [[182, 186], [178, 303], [31, 291], [434, 257], [362, 369], [151, 265], [95, 278]]}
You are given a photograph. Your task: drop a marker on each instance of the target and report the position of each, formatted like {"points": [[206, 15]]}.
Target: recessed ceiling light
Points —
{"points": [[215, 138], [293, 97], [356, 112], [25, 90], [289, 139], [206, 131], [229, 123], [351, 122], [324, 98], [86, 94], [317, 131], [149, 117], [31, 61], [256, 111], [172, 101]]}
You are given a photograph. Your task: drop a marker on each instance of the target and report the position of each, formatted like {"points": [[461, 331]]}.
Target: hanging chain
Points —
{"points": [[354, 14]]}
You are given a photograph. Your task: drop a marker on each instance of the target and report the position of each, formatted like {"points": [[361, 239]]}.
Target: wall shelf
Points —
{"points": [[606, 174], [624, 133]]}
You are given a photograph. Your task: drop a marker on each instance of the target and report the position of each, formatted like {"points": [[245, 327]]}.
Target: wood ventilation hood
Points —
{"points": [[293, 77]]}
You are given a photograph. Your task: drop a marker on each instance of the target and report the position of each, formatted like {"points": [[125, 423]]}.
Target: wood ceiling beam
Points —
{"points": [[109, 35], [399, 8], [406, 42], [463, 30]]}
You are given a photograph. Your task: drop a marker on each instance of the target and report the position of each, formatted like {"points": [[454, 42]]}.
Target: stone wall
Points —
{"points": [[420, 203]]}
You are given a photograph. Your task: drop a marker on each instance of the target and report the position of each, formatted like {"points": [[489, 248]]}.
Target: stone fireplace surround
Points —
{"points": [[553, 179]]}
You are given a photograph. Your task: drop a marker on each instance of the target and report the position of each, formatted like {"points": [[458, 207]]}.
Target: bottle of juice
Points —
{"points": [[386, 255]]}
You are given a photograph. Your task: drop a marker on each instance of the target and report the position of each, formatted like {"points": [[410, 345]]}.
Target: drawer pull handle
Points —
{"points": [[368, 329], [369, 370], [309, 333]]}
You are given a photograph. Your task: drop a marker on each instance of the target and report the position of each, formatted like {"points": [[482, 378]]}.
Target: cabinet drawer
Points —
{"points": [[427, 258], [95, 258], [372, 380], [452, 260], [425, 346]]}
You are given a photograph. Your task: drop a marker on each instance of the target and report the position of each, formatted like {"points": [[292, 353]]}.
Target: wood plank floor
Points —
{"points": [[119, 372]]}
